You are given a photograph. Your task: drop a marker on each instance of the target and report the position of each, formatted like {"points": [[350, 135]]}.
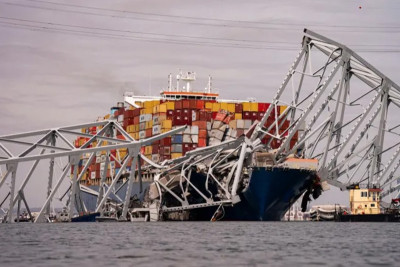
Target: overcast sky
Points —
{"points": [[69, 62]]}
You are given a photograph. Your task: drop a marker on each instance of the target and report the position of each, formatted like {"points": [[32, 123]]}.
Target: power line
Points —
{"points": [[213, 19], [109, 36], [200, 23], [241, 44], [144, 33], [125, 37]]}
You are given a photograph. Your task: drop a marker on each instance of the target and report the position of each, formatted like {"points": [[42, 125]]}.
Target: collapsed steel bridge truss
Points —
{"points": [[346, 112], [341, 111]]}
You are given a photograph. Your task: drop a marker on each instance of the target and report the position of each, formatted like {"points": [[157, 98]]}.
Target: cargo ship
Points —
{"points": [[265, 189]]}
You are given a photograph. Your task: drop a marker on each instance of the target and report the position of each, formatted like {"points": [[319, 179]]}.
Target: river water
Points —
{"points": [[200, 244]]}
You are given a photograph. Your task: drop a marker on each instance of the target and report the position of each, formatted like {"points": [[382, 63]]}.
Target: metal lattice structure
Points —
{"points": [[346, 112], [55, 144], [342, 111]]}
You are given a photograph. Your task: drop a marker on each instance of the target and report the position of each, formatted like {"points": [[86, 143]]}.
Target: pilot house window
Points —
{"points": [[364, 194]]}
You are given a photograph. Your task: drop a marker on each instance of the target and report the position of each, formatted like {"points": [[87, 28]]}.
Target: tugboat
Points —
{"points": [[365, 207]]}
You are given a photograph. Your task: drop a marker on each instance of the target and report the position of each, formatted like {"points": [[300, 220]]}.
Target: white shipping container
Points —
{"points": [[195, 138], [103, 158], [120, 118], [217, 134], [176, 148], [98, 159], [93, 175], [208, 125], [247, 124], [145, 117], [194, 115], [142, 134], [194, 129], [84, 161], [102, 166], [155, 157], [187, 138], [187, 130], [98, 153], [239, 124], [233, 133], [156, 129]]}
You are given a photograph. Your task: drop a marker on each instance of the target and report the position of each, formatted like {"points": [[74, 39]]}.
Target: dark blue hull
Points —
{"points": [[268, 196]]}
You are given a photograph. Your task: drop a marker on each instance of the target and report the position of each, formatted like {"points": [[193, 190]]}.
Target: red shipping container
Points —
{"points": [[192, 104], [260, 116], [220, 116], [200, 124], [148, 132], [177, 120], [202, 115], [238, 108], [165, 141], [213, 115], [178, 112], [194, 146], [187, 119], [136, 120], [155, 149], [185, 104], [199, 104], [128, 113], [209, 115], [178, 104], [254, 116], [202, 142], [202, 133], [246, 115], [186, 112]]}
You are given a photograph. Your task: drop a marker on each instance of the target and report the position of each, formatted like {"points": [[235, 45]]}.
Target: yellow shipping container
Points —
{"points": [[162, 108], [136, 135], [132, 135], [136, 128], [254, 106], [83, 130], [170, 105], [176, 155], [238, 116], [106, 117], [148, 149], [130, 128], [209, 105], [246, 106], [282, 109], [215, 107], [164, 130], [122, 155], [231, 107], [149, 124], [166, 124], [224, 106]]}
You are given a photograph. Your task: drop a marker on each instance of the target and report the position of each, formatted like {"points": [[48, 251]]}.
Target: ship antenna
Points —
{"points": [[170, 82], [209, 83]]}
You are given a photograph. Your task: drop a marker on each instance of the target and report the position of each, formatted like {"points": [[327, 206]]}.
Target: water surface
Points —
{"points": [[200, 244]]}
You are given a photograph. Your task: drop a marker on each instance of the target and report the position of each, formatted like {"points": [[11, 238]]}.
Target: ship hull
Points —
{"points": [[268, 196]]}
